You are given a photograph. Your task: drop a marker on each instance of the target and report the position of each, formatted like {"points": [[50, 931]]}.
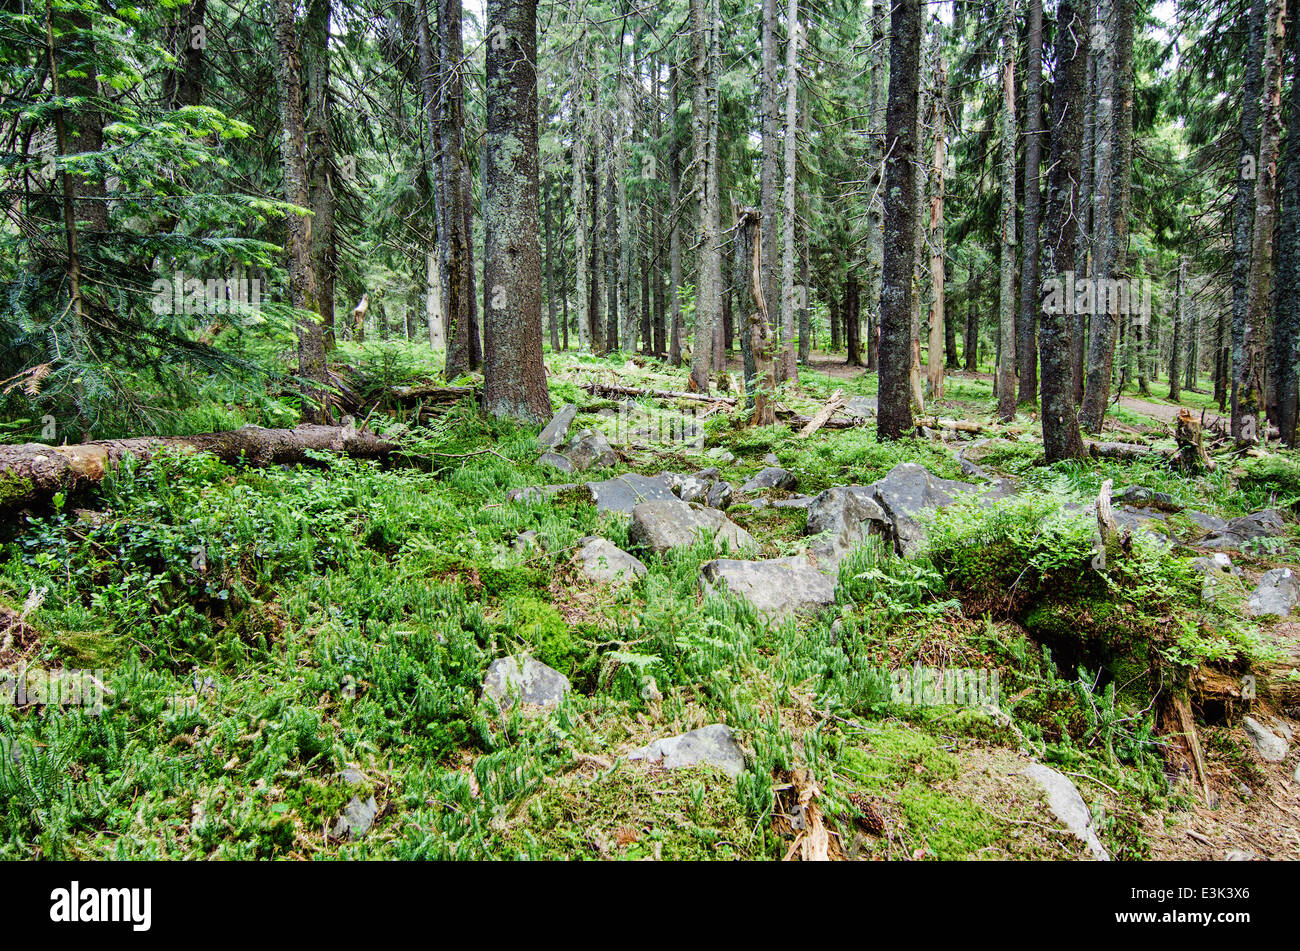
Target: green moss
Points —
{"points": [[539, 626]]}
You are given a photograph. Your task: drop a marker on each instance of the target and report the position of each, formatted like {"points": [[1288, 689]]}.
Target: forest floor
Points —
{"points": [[306, 662]]}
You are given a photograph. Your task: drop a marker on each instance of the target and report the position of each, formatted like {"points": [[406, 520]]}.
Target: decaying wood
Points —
{"points": [[960, 425], [1119, 450], [431, 393], [761, 339], [30, 474], [613, 389], [359, 319], [1113, 541], [1191, 456], [835, 403], [1183, 745]]}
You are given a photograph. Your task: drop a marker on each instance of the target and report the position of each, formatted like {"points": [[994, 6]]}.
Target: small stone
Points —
{"points": [[352, 776], [555, 461], [713, 745], [1066, 804], [557, 430], [525, 541], [693, 489], [606, 563], [531, 682], [1267, 743], [357, 818], [723, 455], [771, 460], [589, 448], [720, 495], [1239, 855]]}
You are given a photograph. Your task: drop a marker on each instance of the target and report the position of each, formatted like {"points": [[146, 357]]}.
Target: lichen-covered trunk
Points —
{"points": [[1083, 256], [1027, 344], [1248, 383], [320, 161], [935, 353], [704, 118], [1061, 437], [1180, 328], [789, 369], [1286, 326], [769, 162], [876, 173], [1006, 295], [514, 376], [302, 276], [894, 418]]}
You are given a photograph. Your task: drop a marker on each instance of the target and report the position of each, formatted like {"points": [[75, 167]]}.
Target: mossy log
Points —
{"points": [[31, 473]]}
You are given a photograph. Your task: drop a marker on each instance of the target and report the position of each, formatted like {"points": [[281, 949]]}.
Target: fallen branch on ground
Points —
{"points": [[836, 402], [613, 389]]}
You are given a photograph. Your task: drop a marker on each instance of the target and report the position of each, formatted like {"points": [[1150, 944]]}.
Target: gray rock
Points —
{"points": [[1207, 523], [1147, 498], [778, 587], [1267, 743], [357, 818], [1264, 524], [771, 460], [773, 477], [708, 474], [537, 493], [526, 541], [1275, 595], [624, 493], [671, 523], [861, 407], [906, 491], [530, 682], [692, 489], [557, 430], [1296, 777], [713, 745], [1217, 569], [555, 461], [798, 502], [720, 495], [722, 454], [841, 517], [590, 448], [1239, 855], [606, 563], [352, 776], [1068, 806]]}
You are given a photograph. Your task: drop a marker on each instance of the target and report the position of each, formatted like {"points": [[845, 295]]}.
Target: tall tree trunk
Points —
{"points": [[302, 276], [1248, 383], [704, 43], [852, 326], [1027, 345], [514, 376], [1006, 297], [1061, 437], [549, 267], [183, 83], [1180, 325], [770, 158], [320, 161], [1286, 326], [880, 12], [895, 408], [935, 356], [582, 225], [970, 345], [789, 332], [675, 230], [1083, 249]]}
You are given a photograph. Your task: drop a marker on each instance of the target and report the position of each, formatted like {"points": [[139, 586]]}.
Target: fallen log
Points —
{"points": [[1119, 450], [613, 389], [960, 425], [431, 393], [31, 473], [833, 405]]}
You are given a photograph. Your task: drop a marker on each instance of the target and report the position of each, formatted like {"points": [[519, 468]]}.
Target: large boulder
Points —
{"points": [[1264, 524], [604, 562], [840, 518], [555, 461], [671, 523], [557, 430], [590, 448], [777, 587], [1275, 595], [624, 493], [1267, 743], [527, 680], [713, 745], [772, 477], [907, 490]]}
